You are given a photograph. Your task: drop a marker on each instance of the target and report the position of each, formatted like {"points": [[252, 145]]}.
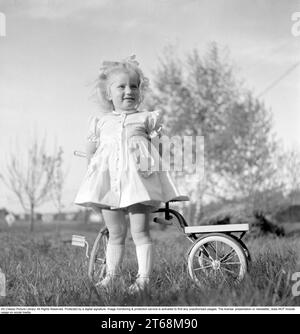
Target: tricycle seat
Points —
{"points": [[180, 199]]}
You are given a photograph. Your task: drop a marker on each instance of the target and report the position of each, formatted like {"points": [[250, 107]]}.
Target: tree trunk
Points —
{"points": [[58, 222], [31, 217], [189, 214], [198, 213]]}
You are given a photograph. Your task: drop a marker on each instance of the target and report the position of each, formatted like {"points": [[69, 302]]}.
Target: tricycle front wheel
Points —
{"points": [[97, 262]]}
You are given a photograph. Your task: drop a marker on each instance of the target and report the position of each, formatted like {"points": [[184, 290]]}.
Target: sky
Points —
{"points": [[52, 50]]}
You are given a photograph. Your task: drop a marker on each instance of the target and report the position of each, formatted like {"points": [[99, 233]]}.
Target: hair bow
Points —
{"points": [[129, 60]]}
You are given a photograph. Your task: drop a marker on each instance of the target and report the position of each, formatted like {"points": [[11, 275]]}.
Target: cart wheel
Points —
{"points": [[97, 262], [217, 258]]}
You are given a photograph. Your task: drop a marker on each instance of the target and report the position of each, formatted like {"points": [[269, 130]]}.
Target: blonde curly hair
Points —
{"points": [[110, 67]]}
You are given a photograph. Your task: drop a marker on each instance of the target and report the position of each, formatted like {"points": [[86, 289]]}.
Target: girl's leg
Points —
{"points": [[117, 227], [140, 231]]}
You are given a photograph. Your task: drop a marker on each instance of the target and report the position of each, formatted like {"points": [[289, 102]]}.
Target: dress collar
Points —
{"points": [[126, 112]]}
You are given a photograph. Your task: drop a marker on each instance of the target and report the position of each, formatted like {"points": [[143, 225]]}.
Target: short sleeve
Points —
{"points": [[154, 123], [93, 130]]}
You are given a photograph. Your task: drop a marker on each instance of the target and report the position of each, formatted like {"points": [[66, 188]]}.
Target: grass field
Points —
{"points": [[43, 269]]}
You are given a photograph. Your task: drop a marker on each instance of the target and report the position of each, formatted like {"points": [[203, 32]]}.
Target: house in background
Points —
{"points": [[48, 218], [81, 216], [3, 213], [7, 218]]}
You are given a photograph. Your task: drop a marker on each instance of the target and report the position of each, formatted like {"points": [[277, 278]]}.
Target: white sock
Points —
{"points": [[114, 258], [144, 255]]}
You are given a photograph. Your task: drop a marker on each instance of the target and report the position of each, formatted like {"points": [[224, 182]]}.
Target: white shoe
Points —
{"points": [[141, 284], [114, 258], [107, 282]]}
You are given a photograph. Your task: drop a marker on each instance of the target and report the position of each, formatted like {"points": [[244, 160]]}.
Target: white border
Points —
{"points": [[150, 310]]}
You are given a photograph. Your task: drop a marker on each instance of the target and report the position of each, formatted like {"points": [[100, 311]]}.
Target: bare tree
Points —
{"points": [[32, 182], [59, 179]]}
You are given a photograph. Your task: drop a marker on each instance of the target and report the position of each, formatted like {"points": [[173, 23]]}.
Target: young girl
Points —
{"points": [[115, 181]]}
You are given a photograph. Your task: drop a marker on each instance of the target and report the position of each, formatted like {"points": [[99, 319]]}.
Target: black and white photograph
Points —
{"points": [[150, 157]]}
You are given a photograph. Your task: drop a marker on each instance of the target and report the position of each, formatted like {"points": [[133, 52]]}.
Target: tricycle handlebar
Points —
{"points": [[80, 154]]}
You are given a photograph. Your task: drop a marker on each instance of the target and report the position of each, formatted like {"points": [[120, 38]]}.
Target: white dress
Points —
{"points": [[116, 177]]}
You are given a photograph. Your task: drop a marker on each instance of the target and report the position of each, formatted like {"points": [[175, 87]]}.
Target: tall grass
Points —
{"points": [[42, 270]]}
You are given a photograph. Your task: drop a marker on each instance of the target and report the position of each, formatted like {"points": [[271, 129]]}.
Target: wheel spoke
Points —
{"points": [[214, 249], [203, 257], [208, 254], [215, 274], [227, 256], [223, 263], [230, 271], [223, 276], [200, 268], [212, 246]]}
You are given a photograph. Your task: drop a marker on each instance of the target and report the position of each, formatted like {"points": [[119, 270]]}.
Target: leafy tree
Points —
{"points": [[290, 167], [201, 96], [247, 149]]}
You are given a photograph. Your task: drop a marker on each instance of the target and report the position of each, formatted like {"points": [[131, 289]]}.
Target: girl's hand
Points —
{"points": [[90, 149]]}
